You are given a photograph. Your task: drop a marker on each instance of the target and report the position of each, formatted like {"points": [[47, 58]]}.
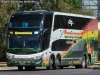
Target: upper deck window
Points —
{"points": [[26, 21], [70, 22]]}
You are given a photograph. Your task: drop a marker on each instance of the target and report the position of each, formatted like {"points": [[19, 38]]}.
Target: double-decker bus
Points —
{"points": [[51, 39]]}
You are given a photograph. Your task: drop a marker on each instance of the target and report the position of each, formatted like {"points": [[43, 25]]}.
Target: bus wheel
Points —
{"points": [[50, 64], [88, 62], [27, 68], [34, 67], [77, 66], [61, 67], [83, 65], [56, 64], [20, 68]]}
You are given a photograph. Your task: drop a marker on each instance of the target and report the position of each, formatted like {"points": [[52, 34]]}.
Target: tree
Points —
{"points": [[69, 6], [27, 6], [75, 4], [5, 12], [58, 5]]}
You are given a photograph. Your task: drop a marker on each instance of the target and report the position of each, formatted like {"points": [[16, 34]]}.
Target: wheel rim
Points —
{"points": [[88, 62], [58, 64], [83, 63]]}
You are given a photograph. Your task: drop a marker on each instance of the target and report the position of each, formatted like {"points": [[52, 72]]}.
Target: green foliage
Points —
{"points": [[86, 11], [5, 12], [99, 56], [27, 6], [58, 5], [75, 4], [69, 6]]}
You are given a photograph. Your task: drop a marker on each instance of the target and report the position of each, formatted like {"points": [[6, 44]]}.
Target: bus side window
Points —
{"points": [[57, 22], [70, 22], [47, 21]]}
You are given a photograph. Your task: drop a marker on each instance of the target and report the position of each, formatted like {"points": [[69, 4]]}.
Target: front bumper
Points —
{"points": [[24, 60]]}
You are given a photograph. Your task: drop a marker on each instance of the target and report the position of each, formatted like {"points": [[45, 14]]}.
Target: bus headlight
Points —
{"points": [[39, 55], [9, 55], [36, 56]]}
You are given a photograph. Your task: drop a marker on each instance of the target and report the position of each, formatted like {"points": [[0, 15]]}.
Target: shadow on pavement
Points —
{"points": [[37, 69]]}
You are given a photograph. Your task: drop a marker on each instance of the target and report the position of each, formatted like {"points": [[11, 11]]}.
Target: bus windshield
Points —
{"points": [[26, 21], [26, 42]]}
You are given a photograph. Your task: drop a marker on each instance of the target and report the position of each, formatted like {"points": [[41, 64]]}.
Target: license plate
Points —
{"points": [[21, 56], [22, 63]]}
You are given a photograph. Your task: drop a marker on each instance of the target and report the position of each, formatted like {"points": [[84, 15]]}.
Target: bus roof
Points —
{"points": [[33, 12], [75, 15], [56, 13]]}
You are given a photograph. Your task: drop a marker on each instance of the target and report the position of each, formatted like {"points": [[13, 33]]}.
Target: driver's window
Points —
{"points": [[46, 35], [48, 21]]}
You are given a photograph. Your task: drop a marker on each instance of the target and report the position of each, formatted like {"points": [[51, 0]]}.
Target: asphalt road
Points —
{"points": [[43, 71]]}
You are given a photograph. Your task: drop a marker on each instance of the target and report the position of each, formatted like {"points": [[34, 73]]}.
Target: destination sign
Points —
{"points": [[20, 33]]}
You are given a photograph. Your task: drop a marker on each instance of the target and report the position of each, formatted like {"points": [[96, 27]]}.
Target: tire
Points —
{"points": [[50, 64], [56, 64], [77, 66], [61, 67], [88, 62], [27, 68], [83, 65], [20, 68], [33, 67]]}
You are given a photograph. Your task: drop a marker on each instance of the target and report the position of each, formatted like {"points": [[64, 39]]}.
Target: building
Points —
{"points": [[92, 4]]}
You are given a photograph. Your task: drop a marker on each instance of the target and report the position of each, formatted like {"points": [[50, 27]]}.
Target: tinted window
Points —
{"points": [[25, 21], [46, 30], [48, 21], [61, 45], [69, 22]]}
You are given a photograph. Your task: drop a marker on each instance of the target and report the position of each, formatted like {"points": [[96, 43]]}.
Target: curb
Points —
{"points": [[97, 64], [3, 64], [94, 67]]}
